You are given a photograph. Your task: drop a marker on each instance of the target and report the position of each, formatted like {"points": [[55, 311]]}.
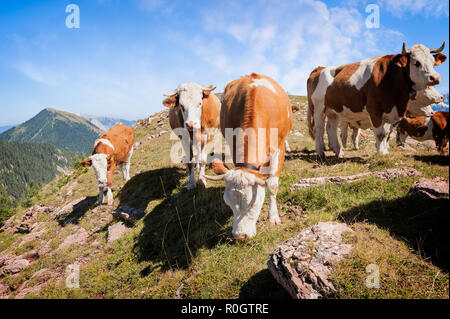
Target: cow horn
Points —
{"points": [[208, 88], [438, 50], [215, 178], [260, 181], [404, 51], [175, 92]]}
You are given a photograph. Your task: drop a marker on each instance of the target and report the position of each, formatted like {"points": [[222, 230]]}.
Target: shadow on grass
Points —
{"points": [[78, 211], [312, 157], [440, 160], [422, 223], [180, 224], [262, 285]]}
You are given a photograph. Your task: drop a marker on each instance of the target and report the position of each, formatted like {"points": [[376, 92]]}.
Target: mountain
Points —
{"points": [[105, 123], [62, 129], [26, 163], [5, 128]]}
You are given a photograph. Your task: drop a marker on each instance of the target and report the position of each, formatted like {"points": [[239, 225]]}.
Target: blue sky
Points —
{"points": [[128, 53]]}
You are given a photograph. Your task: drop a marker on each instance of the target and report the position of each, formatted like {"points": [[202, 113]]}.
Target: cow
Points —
{"points": [[424, 128], [114, 148], [258, 112], [419, 106], [195, 109], [373, 93]]}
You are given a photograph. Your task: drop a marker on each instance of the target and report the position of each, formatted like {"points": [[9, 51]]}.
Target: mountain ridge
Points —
{"points": [[63, 129]]}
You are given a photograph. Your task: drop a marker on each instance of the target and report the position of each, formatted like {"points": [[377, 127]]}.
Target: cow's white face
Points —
{"points": [[246, 198], [190, 99], [421, 67], [100, 165], [424, 98]]}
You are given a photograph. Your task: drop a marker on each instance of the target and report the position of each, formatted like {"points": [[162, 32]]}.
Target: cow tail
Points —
{"points": [[310, 117]]}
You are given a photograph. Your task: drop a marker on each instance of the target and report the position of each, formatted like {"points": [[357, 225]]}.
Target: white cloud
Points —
{"points": [[434, 8], [39, 74]]}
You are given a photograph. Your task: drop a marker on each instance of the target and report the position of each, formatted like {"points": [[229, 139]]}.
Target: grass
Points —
{"points": [[185, 237]]}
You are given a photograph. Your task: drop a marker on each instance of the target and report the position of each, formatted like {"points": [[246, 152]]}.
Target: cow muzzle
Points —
{"points": [[435, 79]]}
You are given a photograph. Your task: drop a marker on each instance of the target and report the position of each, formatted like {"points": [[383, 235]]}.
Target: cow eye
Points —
{"points": [[417, 64]]}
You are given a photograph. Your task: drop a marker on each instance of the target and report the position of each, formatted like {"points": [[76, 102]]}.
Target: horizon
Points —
{"points": [[126, 55]]}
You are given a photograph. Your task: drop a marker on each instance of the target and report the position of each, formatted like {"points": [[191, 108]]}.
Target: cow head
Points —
{"points": [[100, 164], [421, 64], [424, 98], [244, 194], [189, 97]]}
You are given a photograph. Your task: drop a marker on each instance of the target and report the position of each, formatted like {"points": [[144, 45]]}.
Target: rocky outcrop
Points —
{"points": [[12, 265], [73, 206], [388, 174], [302, 264], [80, 236], [431, 188]]}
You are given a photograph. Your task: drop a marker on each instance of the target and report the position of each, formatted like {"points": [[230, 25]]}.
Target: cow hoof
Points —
{"points": [[202, 183], [275, 220], [191, 186]]}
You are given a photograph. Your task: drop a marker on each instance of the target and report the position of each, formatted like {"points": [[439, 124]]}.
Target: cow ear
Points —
{"points": [[170, 102], [218, 167], [207, 90], [401, 60], [439, 58], [86, 163]]}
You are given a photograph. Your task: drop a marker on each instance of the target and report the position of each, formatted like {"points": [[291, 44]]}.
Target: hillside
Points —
{"points": [[62, 129], [183, 247], [105, 123], [5, 128], [23, 163]]}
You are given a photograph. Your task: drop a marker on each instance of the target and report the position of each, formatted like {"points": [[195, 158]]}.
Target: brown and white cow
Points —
{"points": [[419, 106], [114, 148], [423, 128], [197, 111], [256, 118], [373, 93]]}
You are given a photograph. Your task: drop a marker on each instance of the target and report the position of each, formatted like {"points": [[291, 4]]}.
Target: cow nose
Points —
{"points": [[435, 79], [190, 125], [240, 236], [101, 181]]}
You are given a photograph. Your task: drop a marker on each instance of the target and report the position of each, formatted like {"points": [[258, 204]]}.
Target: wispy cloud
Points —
{"points": [[40, 74]]}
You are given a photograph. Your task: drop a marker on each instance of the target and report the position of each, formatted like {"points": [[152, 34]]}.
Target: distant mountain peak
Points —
{"points": [[60, 128]]}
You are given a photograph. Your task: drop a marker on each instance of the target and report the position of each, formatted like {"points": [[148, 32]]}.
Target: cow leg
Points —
{"points": [[319, 125], [203, 158], [109, 196], [272, 187], [355, 137], [100, 195], [401, 137], [126, 166], [187, 148], [343, 127], [382, 133], [286, 146], [333, 142]]}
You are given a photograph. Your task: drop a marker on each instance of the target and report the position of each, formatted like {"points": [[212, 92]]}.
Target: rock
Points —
{"points": [[3, 289], [128, 214], [23, 228], [15, 265], [302, 264], [388, 174], [79, 237], [431, 188], [72, 206], [116, 231]]}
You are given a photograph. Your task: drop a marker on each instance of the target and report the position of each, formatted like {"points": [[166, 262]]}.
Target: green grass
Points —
{"points": [[185, 237]]}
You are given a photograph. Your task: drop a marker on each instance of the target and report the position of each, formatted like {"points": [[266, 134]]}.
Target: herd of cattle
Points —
{"points": [[377, 93]]}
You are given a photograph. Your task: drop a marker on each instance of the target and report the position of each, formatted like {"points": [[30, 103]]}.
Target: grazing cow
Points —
{"points": [[114, 148], [424, 128], [371, 93], [420, 106], [257, 112], [194, 108]]}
